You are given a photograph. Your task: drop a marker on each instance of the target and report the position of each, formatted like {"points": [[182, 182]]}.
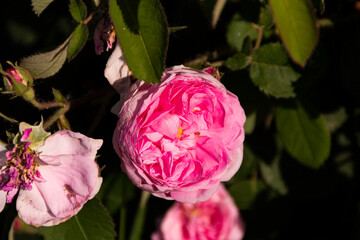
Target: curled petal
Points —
{"points": [[117, 71]]}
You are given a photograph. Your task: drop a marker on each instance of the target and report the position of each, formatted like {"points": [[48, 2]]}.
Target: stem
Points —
{"points": [[122, 228], [46, 105], [89, 18], [52, 119], [137, 228], [259, 38]]}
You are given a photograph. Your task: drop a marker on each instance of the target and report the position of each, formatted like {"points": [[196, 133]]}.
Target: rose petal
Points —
{"points": [[70, 143]]}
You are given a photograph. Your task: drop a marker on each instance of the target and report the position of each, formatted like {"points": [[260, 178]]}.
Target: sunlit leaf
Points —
{"points": [[78, 10], [295, 20], [40, 5], [91, 223], [218, 8], [46, 64], [77, 41], [142, 30], [269, 70], [304, 134]]}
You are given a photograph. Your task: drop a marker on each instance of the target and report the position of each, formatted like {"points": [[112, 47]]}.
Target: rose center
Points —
{"points": [[20, 169]]}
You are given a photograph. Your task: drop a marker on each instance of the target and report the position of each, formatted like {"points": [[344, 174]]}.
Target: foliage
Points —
{"points": [[291, 63]]}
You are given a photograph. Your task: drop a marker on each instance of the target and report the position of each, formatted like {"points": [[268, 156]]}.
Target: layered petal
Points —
{"points": [[179, 139], [215, 219]]}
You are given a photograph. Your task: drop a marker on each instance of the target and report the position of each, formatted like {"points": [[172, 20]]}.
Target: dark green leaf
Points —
{"points": [[91, 223], [117, 191], [245, 192], [46, 64], [269, 71], [238, 30], [304, 135], [142, 29], [238, 61], [272, 176], [265, 18], [40, 5], [78, 10], [7, 217], [335, 119], [77, 41], [248, 166], [295, 20]]}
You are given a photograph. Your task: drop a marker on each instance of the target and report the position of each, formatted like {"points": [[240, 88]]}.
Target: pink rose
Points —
{"points": [[215, 219], [181, 138], [54, 180]]}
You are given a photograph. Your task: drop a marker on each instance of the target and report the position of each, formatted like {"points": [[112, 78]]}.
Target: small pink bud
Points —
{"points": [[15, 74]]}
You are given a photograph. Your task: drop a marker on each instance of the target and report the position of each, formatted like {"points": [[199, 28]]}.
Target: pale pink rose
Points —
{"points": [[53, 181], [181, 138], [215, 219], [117, 71]]}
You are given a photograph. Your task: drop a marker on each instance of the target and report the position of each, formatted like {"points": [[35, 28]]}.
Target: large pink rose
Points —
{"points": [[53, 181], [215, 219], [179, 139]]}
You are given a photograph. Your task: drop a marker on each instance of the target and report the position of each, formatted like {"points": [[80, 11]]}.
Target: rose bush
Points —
{"points": [[179, 139], [54, 179], [215, 219]]}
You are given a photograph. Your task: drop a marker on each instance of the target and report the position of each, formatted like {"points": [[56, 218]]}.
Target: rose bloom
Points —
{"points": [[54, 181], [179, 139], [215, 219]]}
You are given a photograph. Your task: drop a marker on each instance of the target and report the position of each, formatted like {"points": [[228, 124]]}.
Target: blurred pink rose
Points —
{"points": [[181, 138], [53, 181], [215, 219]]}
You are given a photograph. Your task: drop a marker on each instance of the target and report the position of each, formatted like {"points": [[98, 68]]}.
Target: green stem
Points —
{"points": [[46, 105], [137, 228], [53, 118], [122, 228], [259, 38]]}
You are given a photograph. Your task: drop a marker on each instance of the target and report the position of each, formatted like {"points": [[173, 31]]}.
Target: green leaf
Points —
{"points": [[78, 40], [272, 176], [245, 192], [142, 30], [238, 61], [304, 135], [335, 120], [269, 71], [37, 135], [117, 191], [218, 8], [238, 31], [78, 10], [265, 18], [91, 223], [58, 96], [40, 5], [295, 20], [7, 217], [44, 65]]}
